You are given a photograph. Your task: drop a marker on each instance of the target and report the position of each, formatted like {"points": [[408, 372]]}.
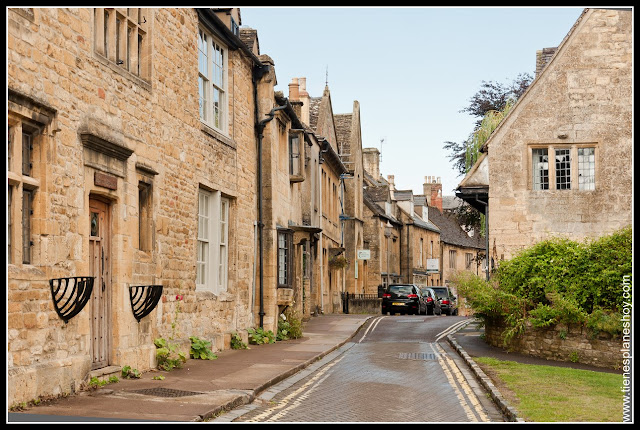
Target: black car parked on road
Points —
{"points": [[404, 299], [447, 300], [433, 304]]}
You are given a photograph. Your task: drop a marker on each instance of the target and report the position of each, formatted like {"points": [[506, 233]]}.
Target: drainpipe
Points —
{"points": [[486, 230], [260, 128]]}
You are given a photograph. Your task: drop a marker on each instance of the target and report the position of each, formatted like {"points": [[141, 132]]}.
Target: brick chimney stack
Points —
{"points": [[432, 190]]}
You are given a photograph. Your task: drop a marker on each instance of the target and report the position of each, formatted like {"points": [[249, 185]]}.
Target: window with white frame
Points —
{"points": [[212, 256], [563, 169], [586, 169], [562, 172], [295, 159], [212, 77], [540, 169]]}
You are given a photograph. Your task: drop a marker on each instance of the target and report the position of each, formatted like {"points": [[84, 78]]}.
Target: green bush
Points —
{"points": [[201, 349], [289, 326], [167, 355], [237, 343], [259, 336], [556, 281]]}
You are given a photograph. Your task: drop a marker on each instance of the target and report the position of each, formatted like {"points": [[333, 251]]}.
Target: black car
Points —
{"points": [[430, 297], [447, 300], [404, 299]]}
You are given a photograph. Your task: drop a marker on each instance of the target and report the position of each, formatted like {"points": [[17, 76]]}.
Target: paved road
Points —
{"points": [[394, 370]]}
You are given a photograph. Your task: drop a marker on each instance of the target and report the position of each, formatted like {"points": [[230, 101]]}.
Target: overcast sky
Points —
{"points": [[411, 69]]}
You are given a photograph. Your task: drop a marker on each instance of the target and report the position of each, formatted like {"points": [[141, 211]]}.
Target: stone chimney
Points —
{"points": [[294, 90], [542, 58], [371, 162], [432, 189], [294, 97], [304, 98], [392, 186]]}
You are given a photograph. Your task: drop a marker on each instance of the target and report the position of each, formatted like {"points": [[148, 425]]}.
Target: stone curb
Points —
{"points": [[250, 396], [507, 411]]}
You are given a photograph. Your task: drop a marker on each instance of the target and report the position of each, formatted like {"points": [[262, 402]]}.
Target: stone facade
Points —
{"points": [[121, 130], [560, 164], [349, 136]]}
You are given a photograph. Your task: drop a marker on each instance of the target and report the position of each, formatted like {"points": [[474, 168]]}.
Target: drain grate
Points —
{"points": [[416, 356], [166, 392]]}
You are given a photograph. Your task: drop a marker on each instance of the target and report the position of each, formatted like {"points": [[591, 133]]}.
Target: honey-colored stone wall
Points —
{"points": [[51, 60], [583, 97]]}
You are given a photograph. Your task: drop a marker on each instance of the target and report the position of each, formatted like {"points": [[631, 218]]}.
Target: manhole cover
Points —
{"points": [[166, 392], [416, 356]]}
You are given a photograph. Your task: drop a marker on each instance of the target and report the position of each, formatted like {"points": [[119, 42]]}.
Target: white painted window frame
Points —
{"points": [[212, 249]]}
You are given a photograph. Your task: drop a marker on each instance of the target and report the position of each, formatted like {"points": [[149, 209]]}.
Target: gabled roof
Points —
{"points": [[512, 113]]}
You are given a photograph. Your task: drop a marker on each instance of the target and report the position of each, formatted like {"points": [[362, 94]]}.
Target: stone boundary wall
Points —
{"points": [[560, 343], [364, 306]]}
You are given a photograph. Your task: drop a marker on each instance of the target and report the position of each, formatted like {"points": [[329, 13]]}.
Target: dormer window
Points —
{"points": [[235, 29]]}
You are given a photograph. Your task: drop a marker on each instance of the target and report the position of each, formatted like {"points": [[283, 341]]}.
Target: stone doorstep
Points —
{"points": [[105, 372]]}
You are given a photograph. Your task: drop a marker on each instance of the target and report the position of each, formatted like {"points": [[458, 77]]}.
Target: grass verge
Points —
{"points": [[556, 394]]}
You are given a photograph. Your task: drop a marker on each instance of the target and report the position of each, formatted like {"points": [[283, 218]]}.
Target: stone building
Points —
{"points": [[291, 214], [382, 229], [132, 160], [560, 163], [420, 242], [349, 136], [317, 117]]}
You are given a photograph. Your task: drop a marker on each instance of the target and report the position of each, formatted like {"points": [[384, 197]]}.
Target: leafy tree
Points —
{"points": [[491, 104], [494, 96]]}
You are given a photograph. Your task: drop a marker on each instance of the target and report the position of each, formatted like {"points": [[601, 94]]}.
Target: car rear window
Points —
{"points": [[441, 292], [401, 289]]}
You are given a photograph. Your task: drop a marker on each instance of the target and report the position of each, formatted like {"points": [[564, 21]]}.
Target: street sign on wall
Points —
{"points": [[364, 254], [433, 265]]}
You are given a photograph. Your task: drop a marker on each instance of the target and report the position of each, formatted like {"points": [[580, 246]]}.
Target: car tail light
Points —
{"points": [[412, 296], [429, 299], [386, 296]]}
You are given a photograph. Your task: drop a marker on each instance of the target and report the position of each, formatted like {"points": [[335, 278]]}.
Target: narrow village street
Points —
{"points": [[394, 370], [288, 214]]}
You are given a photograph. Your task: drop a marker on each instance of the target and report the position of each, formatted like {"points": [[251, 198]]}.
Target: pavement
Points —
{"points": [[203, 389]]}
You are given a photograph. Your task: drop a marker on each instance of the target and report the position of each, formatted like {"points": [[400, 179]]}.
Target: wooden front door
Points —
{"points": [[100, 267]]}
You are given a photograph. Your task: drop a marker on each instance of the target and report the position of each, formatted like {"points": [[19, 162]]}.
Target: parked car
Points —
{"points": [[404, 299], [448, 302], [430, 297]]}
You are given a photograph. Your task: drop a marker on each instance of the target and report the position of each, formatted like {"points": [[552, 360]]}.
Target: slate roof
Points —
{"points": [[249, 36], [451, 232], [343, 132], [376, 208], [314, 110]]}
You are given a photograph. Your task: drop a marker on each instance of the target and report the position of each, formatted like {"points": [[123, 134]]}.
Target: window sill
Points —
{"points": [[123, 72], [296, 178], [217, 135]]}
